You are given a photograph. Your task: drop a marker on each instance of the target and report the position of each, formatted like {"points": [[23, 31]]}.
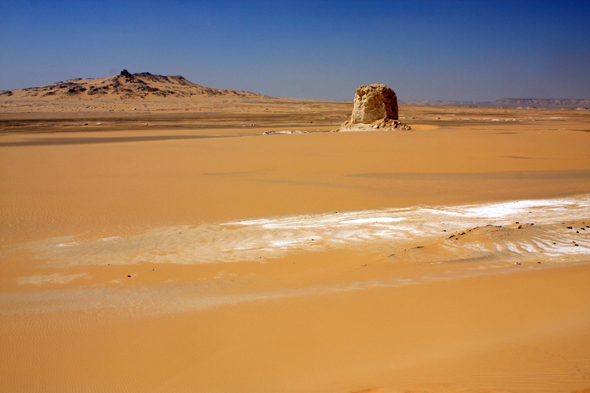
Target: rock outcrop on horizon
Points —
{"points": [[540, 103], [125, 86], [375, 108]]}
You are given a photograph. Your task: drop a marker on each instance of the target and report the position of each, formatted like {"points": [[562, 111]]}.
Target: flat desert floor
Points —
{"points": [[171, 246]]}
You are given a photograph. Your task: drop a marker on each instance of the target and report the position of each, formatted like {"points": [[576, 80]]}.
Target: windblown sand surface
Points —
{"points": [[198, 254]]}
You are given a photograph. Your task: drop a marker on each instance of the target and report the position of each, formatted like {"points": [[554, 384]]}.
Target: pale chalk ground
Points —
{"points": [[309, 262]]}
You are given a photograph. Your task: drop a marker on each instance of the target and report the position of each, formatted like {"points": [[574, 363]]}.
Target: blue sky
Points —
{"points": [[439, 50]]}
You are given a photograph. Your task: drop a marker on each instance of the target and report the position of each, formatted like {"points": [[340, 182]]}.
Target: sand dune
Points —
{"points": [[208, 251]]}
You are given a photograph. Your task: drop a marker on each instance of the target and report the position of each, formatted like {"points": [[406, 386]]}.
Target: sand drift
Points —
{"points": [[528, 228]]}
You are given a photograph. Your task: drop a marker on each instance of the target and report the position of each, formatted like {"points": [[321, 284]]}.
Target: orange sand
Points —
{"points": [[333, 320]]}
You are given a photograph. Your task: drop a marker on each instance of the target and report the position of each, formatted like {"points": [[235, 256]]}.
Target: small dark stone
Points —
{"points": [[128, 275], [570, 228]]}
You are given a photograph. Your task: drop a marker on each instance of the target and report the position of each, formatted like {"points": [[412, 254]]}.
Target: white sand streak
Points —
{"points": [[262, 239], [56, 278], [274, 237]]}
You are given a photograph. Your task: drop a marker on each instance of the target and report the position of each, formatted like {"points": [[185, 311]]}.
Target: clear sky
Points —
{"points": [[438, 50]]}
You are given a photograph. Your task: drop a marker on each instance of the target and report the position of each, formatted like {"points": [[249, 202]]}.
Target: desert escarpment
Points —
{"points": [[541, 103]]}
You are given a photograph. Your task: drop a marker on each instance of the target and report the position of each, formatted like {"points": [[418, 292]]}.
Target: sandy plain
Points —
{"points": [[175, 247]]}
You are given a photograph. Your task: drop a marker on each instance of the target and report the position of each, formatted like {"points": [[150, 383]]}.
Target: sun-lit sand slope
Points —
{"points": [[196, 253]]}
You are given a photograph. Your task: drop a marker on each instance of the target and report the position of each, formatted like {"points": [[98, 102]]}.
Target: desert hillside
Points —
{"points": [[125, 86]]}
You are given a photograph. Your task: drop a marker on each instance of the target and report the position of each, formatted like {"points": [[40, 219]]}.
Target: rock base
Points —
{"points": [[378, 125]]}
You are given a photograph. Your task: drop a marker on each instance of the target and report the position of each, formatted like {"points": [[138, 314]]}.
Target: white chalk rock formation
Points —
{"points": [[375, 107]]}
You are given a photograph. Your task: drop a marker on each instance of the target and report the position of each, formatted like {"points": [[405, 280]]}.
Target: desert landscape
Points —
{"points": [[163, 236]]}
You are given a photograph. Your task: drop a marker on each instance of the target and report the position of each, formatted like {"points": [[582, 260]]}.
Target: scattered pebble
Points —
{"points": [[517, 263]]}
